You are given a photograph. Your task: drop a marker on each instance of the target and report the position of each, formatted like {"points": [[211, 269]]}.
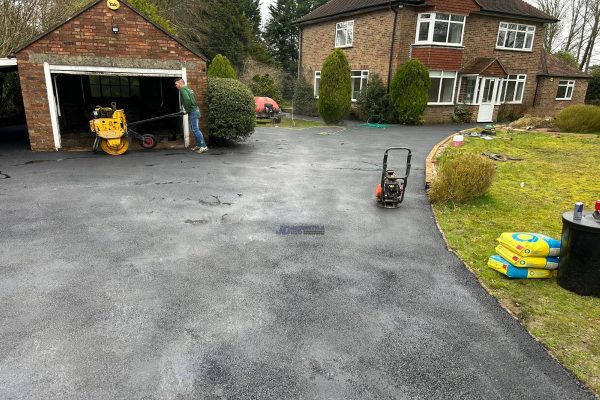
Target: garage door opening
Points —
{"points": [[141, 97]]}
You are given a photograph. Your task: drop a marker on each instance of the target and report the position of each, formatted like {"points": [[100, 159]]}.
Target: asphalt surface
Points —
{"points": [[172, 275]]}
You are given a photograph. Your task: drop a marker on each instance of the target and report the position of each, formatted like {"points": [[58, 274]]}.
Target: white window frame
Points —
{"points": [[504, 27], [518, 79], [364, 80], [432, 19], [349, 27], [315, 87], [442, 75], [569, 84]]}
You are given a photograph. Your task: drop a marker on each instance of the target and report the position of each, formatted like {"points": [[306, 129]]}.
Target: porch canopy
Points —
{"points": [[485, 67]]}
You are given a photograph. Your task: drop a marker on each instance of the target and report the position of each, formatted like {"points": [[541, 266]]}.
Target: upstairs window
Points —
{"points": [[515, 36], [438, 28], [565, 90], [344, 34]]}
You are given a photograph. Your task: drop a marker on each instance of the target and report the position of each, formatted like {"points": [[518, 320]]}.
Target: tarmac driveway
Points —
{"points": [[162, 275]]}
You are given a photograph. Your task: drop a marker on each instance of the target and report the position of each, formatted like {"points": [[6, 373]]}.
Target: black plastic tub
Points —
{"points": [[579, 266]]}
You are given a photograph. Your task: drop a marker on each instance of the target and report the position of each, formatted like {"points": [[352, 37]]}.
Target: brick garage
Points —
{"points": [[79, 57]]}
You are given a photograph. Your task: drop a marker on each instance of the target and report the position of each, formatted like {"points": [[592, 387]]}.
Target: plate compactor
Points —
{"points": [[390, 191], [112, 132]]}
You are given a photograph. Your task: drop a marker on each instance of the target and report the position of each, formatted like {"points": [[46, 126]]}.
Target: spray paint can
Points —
{"points": [[578, 211]]}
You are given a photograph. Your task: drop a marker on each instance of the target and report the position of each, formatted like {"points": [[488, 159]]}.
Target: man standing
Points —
{"points": [[188, 100]]}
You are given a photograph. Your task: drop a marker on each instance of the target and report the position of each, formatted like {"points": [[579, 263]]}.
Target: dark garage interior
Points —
{"points": [[141, 98]]}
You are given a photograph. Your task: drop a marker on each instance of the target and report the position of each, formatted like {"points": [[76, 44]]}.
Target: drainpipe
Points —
{"points": [[395, 10], [299, 52], [537, 86]]}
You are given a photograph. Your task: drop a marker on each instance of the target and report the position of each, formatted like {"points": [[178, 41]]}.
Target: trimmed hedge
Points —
{"points": [[463, 177], [410, 91], [335, 88], [579, 118], [220, 67], [231, 113]]}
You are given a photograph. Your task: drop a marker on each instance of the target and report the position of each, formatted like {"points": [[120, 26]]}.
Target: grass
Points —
{"points": [[288, 123], [530, 196]]}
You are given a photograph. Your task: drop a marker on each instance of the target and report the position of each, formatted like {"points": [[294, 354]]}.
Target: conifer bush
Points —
{"points": [[462, 177], [231, 114], [335, 88], [220, 67], [304, 101], [409, 92], [373, 103]]}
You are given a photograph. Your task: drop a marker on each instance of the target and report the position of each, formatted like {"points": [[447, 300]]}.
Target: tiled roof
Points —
{"points": [[335, 7], [480, 65], [551, 65], [516, 8]]}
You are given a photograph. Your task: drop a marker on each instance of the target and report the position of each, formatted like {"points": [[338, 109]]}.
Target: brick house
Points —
{"points": [[106, 52], [481, 53]]}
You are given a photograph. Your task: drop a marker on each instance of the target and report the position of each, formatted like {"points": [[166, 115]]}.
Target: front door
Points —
{"points": [[487, 99]]}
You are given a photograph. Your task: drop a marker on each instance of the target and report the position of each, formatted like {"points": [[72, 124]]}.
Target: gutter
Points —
{"points": [[389, 80]]}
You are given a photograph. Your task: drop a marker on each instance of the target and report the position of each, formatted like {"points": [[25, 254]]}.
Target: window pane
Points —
{"points": [[470, 89], [569, 92], [116, 91], [440, 32], [434, 90], [455, 33], [125, 91], [106, 91], [341, 25], [355, 87], [520, 41], [501, 37], [510, 91], [458, 18], [94, 80], [528, 41], [444, 17], [105, 80], [447, 89], [340, 38], [423, 31], [349, 36], [95, 91], [115, 80], [519, 93], [562, 92], [510, 39]]}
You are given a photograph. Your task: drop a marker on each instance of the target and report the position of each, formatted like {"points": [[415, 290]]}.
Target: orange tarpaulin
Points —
{"points": [[260, 102]]}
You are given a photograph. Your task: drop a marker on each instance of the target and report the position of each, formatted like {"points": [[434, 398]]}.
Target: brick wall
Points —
{"points": [[455, 6], [546, 103], [87, 40], [439, 58]]}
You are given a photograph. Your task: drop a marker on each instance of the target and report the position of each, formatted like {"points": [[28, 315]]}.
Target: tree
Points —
{"points": [[568, 58], [220, 67], [281, 34], [556, 9], [251, 9], [409, 91], [335, 88], [593, 92]]}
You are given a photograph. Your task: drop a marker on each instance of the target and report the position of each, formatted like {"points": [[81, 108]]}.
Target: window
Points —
{"points": [[515, 36], [513, 88], [440, 29], [442, 87], [359, 82], [565, 90], [114, 86], [470, 89], [317, 81], [344, 33]]}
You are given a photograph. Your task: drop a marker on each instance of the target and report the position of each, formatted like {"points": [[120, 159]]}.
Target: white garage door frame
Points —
{"points": [[90, 70]]}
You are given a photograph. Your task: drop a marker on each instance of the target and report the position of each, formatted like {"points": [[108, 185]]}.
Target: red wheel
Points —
{"points": [[148, 141]]}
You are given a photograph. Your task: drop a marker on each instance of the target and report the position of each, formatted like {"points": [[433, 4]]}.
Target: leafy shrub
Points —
{"points": [[568, 58], [510, 112], [11, 101], [410, 92], [531, 122], [220, 67], [231, 114], [304, 99], [373, 103], [579, 118], [265, 86], [462, 114], [463, 177], [335, 88]]}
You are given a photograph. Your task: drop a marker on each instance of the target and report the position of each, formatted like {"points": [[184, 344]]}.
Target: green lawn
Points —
{"points": [[288, 123], [530, 196]]}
